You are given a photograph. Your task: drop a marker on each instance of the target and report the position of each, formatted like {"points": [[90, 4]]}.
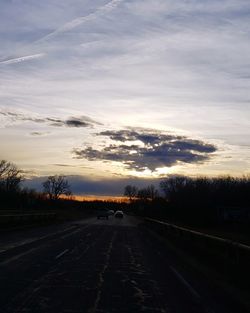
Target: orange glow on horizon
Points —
{"points": [[96, 198]]}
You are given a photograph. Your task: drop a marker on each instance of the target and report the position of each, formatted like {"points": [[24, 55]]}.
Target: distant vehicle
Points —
{"points": [[111, 212], [119, 214], [103, 215]]}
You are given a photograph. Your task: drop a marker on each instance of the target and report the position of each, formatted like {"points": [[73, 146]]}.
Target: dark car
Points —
{"points": [[119, 214], [103, 215]]}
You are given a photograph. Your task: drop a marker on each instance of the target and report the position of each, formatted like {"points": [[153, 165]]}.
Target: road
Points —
{"points": [[99, 266]]}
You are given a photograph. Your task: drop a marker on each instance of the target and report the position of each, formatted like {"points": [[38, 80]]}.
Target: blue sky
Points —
{"points": [[83, 83]]}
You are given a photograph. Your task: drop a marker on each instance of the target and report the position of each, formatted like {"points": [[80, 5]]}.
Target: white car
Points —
{"points": [[119, 214]]}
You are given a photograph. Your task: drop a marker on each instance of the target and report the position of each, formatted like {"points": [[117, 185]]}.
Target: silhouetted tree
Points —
{"points": [[143, 194], [10, 177], [130, 191], [152, 192], [55, 186], [199, 199], [172, 185]]}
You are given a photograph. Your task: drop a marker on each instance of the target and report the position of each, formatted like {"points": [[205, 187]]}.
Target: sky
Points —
{"points": [[112, 92]]}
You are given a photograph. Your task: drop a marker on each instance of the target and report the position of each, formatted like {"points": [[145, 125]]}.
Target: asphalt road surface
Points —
{"points": [[100, 266]]}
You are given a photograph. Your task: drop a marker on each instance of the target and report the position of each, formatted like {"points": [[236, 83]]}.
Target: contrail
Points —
{"points": [[22, 59], [80, 20], [66, 27]]}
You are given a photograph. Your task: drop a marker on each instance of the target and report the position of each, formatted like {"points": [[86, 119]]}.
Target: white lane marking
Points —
{"points": [[73, 233], [191, 289], [61, 254], [101, 276], [16, 257], [182, 279], [23, 243]]}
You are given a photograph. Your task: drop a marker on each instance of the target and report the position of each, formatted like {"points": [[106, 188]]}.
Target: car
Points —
{"points": [[103, 215], [119, 214], [111, 212]]}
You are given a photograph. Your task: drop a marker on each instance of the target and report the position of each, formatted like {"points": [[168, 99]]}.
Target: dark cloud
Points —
{"points": [[36, 134], [63, 165], [13, 116], [70, 165], [39, 133], [81, 185], [82, 121], [75, 122], [54, 121], [147, 137], [148, 150]]}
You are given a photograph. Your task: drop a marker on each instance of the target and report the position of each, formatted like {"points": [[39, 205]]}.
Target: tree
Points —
{"points": [[143, 194], [152, 192], [130, 191], [172, 185], [55, 186], [148, 193], [10, 176]]}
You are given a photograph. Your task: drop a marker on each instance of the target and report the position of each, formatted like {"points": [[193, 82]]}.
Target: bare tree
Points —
{"points": [[130, 191], [3, 168], [172, 184], [143, 194], [55, 186], [10, 176], [152, 192], [148, 193]]}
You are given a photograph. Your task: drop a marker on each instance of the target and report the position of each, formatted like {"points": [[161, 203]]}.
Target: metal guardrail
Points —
{"points": [[187, 230], [230, 251]]}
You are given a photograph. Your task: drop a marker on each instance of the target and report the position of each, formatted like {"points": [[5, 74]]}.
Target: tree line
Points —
{"points": [[193, 200], [13, 195], [147, 193], [178, 198]]}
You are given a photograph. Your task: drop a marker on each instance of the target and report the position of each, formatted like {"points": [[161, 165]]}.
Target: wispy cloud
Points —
{"points": [[22, 59], [164, 64], [82, 121], [148, 150], [39, 134], [99, 11]]}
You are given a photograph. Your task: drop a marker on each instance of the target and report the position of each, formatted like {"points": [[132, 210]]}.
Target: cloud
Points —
{"points": [[63, 165], [148, 150], [22, 59], [146, 136], [36, 133], [81, 185], [111, 5], [82, 121], [144, 63]]}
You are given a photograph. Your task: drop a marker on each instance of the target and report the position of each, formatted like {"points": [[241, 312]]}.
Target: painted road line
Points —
{"points": [[16, 257], [183, 280], [78, 230], [61, 254], [71, 234], [33, 240], [190, 288]]}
